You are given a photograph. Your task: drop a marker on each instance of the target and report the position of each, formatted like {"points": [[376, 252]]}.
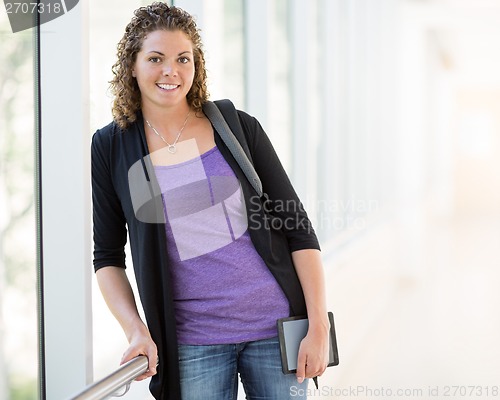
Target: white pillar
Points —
{"points": [[65, 204]]}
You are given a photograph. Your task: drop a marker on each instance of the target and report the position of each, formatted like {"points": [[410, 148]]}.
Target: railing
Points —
{"points": [[111, 384]]}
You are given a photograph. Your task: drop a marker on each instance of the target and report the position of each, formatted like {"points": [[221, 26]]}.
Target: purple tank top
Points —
{"points": [[223, 291]]}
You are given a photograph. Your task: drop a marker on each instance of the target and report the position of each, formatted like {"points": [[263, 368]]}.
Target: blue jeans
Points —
{"points": [[211, 372]]}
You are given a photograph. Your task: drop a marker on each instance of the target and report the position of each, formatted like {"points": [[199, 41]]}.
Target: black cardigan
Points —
{"points": [[275, 233]]}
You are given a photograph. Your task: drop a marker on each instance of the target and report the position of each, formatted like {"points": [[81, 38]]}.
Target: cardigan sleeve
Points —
{"points": [[109, 224], [284, 201]]}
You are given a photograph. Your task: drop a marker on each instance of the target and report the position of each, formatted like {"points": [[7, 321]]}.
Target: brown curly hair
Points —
{"points": [[157, 16]]}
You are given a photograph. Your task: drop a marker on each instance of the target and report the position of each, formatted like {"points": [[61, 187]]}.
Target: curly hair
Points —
{"points": [[124, 87]]}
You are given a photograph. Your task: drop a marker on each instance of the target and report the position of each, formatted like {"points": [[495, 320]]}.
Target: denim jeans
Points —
{"points": [[211, 372]]}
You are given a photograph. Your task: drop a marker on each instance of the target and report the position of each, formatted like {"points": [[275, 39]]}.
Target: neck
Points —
{"points": [[166, 118]]}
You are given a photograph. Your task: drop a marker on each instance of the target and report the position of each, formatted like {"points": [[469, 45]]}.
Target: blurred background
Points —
{"points": [[385, 113]]}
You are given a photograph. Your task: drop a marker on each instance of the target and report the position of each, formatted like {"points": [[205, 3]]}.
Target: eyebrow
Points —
{"points": [[161, 54]]}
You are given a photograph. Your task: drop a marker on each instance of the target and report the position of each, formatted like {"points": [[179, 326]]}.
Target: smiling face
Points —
{"points": [[164, 69]]}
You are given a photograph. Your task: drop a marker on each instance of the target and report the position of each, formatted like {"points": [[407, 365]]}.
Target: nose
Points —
{"points": [[168, 70]]}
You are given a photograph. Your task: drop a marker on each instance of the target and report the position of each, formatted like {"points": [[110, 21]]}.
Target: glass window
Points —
{"points": [[279, 92], [18, 300], [234, 60]]}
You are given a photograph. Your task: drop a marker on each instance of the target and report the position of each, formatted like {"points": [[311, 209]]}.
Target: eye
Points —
{"points": [[183, 60], [154, 59]]}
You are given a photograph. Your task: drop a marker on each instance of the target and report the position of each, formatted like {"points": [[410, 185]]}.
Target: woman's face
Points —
{"points": [[164, 69]]}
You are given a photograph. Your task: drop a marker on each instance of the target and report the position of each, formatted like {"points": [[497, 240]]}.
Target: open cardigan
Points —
{"points": [[275, 233]]}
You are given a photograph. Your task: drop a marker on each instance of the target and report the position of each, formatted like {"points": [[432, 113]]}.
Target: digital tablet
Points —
{"points": [[291, 331]]}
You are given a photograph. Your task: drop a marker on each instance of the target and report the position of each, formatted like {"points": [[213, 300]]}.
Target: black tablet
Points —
{"points": [[291, 331]]}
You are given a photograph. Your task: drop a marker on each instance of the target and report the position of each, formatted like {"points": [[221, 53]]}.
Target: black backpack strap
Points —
{"points": [[221, 126], [230, 114]]}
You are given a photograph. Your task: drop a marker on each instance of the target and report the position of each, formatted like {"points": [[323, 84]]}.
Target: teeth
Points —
{"points": [[167, 87]]}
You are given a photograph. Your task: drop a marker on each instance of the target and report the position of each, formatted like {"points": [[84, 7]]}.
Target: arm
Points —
{"points": [[110, 236], [119, 297], [313, 351]]}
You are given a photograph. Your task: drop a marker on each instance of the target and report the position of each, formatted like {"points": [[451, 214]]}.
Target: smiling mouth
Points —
{"points": [[165, 86]]}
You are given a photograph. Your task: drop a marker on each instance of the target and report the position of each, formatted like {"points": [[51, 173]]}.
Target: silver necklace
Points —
{"points": [[171, 147]]}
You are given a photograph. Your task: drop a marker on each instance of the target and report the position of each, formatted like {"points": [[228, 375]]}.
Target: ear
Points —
{"points": [[133, 73]]}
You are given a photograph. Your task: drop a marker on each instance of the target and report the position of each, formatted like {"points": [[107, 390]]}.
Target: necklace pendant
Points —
{"points": [[170, 147]]}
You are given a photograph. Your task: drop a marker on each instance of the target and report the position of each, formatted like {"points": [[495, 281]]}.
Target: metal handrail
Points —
{"points": [[109, 385]]}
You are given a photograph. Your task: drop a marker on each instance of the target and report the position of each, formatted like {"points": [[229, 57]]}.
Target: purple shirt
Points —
{"points": [[223, 291]]}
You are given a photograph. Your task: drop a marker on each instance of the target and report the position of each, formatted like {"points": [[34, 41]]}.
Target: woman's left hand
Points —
{"points": [[314, 348], [313, 354]]}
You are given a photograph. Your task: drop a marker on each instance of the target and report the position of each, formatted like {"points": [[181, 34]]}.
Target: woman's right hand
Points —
{"points": [[141, 344], [119, 297]]}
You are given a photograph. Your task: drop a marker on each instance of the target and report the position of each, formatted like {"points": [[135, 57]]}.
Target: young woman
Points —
{"points": [[213, 274]]}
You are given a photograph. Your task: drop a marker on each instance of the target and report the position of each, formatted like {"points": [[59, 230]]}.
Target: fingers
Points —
{"points": [[143, 348], [152, 363], [309, 367], [314, 370], [312, 359], [301, 366]]}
